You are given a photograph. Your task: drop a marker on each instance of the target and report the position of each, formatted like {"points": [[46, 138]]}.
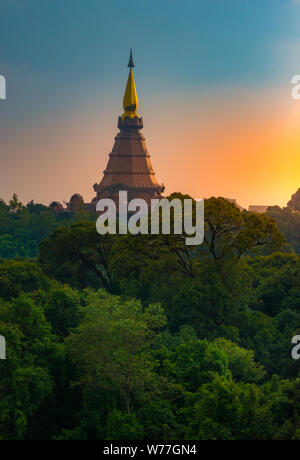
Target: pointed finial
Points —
{"points": [[130, 101], [130, 63]]}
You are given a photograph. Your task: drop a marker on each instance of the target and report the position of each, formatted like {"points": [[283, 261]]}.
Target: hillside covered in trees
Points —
{"points": [[142, 337]]}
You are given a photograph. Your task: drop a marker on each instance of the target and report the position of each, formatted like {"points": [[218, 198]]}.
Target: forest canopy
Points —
{"points": [[142, 337]]}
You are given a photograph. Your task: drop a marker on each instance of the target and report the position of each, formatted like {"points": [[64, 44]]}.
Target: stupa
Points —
{"points": [[129, 167]]}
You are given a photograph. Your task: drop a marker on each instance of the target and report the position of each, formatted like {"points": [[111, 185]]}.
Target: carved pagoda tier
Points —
{"points": [[129, 167]]}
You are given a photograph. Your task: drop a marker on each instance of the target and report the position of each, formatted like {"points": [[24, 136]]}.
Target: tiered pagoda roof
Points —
{"points": [[129, 167]]}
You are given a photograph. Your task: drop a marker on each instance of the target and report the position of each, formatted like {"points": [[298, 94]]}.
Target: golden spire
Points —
{"points": [[130, 101]]}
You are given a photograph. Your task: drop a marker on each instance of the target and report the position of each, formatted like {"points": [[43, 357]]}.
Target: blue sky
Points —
{"points": [[54, 49]]}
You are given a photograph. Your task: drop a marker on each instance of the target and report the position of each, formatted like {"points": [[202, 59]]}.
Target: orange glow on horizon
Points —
{"points": [[247, 148]]}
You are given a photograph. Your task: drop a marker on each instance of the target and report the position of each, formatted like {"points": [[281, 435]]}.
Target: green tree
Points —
{"points": [[225, 410], [78, 255], [111, 351], [294, 202], [63, 310], [25, 376], [18, 276], [232, 233], [288, 221], [241, 362]]}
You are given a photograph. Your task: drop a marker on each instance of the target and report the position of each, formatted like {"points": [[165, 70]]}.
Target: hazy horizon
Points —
{"points": [[213, 85]]}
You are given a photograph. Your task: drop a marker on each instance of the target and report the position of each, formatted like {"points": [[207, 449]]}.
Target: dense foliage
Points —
{"points": [[22, 228], [143, 337], [294, 202], [288, 221]]}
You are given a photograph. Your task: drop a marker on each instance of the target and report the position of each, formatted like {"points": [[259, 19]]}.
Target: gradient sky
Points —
{"points": [[213, 79]]}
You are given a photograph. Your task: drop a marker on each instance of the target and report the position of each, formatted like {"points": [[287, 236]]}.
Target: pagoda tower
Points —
{"points": [[129, 167]]}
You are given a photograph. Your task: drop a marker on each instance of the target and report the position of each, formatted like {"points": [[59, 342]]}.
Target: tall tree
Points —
{"points": [[294, 202]]}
